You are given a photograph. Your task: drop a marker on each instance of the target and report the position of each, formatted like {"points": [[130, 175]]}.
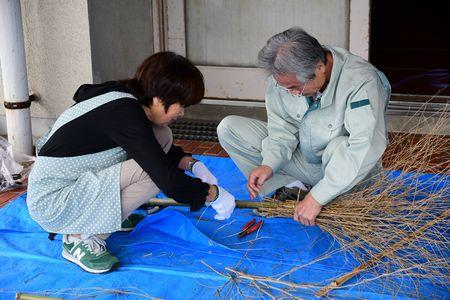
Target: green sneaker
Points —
{"points": [[89, 253], [129, 223]]}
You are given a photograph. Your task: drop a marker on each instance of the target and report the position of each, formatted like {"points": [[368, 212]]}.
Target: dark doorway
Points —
{"points": [[410, 43]]}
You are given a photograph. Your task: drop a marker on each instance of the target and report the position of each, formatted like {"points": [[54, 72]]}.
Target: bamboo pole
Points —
{"points": [[22, 296], [406, 240], [164, 202]]}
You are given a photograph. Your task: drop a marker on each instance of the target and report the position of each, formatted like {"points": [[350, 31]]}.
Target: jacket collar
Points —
{"points": [[339, 56]]}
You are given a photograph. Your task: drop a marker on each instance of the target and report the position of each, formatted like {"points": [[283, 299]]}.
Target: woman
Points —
{"points": [[111, 151]]}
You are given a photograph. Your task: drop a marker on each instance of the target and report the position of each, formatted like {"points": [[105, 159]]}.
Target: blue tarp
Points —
{"points": [[176, 254]]}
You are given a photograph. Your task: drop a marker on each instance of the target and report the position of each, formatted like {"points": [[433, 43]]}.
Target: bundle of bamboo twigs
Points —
{"points": [[398, 225]]}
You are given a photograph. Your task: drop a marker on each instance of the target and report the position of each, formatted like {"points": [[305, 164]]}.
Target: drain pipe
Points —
{"points": [[14, 73]]}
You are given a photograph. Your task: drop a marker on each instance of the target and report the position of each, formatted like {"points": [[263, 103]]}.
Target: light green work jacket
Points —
{"points": [[353, 105]]}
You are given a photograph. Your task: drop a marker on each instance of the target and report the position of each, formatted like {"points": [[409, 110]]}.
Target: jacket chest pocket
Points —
{"points": [[296, 111], [323, 130]]}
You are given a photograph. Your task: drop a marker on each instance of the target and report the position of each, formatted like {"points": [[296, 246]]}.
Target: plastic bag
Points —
{"points": [[12, 174]]}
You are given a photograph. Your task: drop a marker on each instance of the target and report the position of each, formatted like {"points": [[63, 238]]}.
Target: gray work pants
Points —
{"points": [[242, 139]]}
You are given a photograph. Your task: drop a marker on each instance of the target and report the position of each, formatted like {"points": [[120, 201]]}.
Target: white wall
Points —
{"points": [[68, 41], [58, 56]]}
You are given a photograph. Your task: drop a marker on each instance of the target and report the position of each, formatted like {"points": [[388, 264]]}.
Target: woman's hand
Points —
{"points": [[224, 204]]}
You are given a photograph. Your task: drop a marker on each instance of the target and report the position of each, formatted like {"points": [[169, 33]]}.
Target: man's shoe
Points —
{"points": [[131, 222], [89, 253], [285, 193]]}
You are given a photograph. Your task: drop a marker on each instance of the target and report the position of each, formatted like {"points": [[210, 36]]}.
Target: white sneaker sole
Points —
{"points": [[69, 257]]}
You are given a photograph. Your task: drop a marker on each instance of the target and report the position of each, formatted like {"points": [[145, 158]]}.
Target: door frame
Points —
{"points": [[227, 85]]}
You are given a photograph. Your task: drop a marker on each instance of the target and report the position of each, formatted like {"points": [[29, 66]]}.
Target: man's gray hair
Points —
{"points": [[292, 51]]}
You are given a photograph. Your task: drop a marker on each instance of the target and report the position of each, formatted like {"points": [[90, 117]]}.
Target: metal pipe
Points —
{"points": [[14, 73]]}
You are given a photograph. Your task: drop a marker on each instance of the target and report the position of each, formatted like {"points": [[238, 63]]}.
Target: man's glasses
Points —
{"points": [[295, 91]]}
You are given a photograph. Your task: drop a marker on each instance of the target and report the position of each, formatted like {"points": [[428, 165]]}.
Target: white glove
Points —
{"points": [[201, 171], [224, 204]]}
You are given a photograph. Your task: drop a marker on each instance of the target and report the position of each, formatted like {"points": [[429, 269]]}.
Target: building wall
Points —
{"points": [[69, 43], [57, 51], [230, 33], [58, 56], [121, 37]]}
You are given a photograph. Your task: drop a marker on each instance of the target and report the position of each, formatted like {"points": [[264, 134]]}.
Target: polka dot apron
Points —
{"points": [[79, 194]]}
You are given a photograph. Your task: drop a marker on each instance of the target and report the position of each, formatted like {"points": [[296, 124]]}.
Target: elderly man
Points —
{"points": [[325, 123]]}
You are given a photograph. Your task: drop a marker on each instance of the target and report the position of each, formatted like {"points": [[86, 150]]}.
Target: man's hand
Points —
{"points": [[257, 178], [307, 210]]}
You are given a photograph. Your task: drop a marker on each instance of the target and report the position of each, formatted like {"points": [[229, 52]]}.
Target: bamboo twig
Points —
{"points": [[405, 240], [269, 279]]}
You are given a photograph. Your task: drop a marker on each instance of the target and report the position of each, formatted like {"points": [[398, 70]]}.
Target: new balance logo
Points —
{"points": [[78, 254]]}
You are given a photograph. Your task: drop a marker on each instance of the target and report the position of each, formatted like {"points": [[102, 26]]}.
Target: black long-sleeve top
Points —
{"points": [[123, 123]]}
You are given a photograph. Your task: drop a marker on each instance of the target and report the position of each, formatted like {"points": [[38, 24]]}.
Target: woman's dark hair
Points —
{"points": [[168, 76]]}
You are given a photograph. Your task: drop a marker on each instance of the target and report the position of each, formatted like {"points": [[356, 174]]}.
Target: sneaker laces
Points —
{"points": [[95, 244]]}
